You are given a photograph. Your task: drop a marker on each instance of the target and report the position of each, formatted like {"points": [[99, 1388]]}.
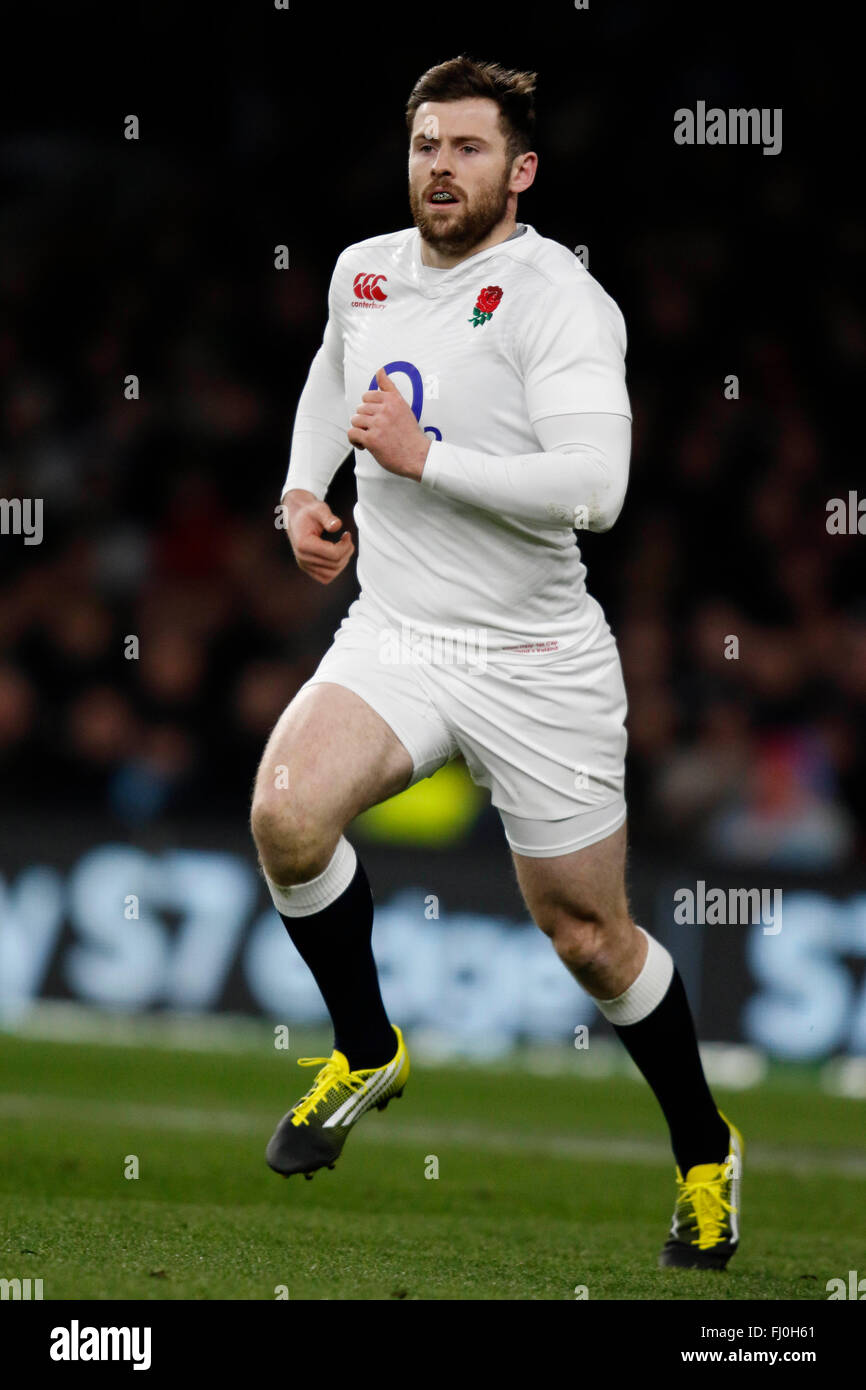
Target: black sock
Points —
{"points": [[665, 1049], [336, 945]]}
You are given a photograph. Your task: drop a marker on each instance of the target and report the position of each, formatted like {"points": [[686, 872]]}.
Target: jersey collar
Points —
{"points": [[441, 281]]}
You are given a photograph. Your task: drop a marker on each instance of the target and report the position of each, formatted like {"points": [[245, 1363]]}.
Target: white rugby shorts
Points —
{"points": [[542, 730]]}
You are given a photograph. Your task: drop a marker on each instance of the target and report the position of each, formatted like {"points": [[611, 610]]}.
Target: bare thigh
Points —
{"points": [[330, 756], [588, 883]]}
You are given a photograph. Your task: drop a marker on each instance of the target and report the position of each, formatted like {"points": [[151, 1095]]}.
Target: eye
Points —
{"points": [[471, 147]]}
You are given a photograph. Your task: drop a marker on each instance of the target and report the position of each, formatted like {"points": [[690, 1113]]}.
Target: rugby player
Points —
{"points": [[478, 371]]}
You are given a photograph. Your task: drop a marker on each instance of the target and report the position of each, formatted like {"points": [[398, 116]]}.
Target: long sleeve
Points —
{"points": [[319, 442], [579, 480]]}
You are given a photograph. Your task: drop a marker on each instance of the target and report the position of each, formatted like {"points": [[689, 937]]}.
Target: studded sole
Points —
{"points": [[381, 1105]]}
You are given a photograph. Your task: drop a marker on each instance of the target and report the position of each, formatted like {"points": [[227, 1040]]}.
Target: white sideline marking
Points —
{"points": [[390, 1132]]}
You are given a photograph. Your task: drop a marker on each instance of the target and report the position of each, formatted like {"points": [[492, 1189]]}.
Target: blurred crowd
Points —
{"points": [[150, 642]]}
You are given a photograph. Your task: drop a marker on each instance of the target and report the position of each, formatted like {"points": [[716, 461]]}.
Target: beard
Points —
{"points": [[463, 225]]}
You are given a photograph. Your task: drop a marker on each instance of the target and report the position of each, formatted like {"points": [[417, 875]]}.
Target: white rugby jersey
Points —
{"points": [[515, 335]]}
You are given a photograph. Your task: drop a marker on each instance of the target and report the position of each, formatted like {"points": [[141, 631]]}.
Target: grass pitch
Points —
{"points": [[545, 1183]]}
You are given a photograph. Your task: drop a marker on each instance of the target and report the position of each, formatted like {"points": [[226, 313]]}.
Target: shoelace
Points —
{"points": [[709, 1208], [331, 1073]]}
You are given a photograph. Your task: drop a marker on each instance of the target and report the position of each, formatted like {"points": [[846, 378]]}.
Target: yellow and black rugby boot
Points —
{"points": [[705, 1231], [314, 1131]]}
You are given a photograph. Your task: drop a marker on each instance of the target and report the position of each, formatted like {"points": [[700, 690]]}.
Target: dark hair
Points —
{"points": [[462, 77]]}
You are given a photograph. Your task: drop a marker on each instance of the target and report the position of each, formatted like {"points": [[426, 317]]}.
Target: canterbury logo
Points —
{"points": [[367, 287]]}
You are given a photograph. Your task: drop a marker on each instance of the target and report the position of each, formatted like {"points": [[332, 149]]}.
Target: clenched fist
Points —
{"points": [[307, 519]]}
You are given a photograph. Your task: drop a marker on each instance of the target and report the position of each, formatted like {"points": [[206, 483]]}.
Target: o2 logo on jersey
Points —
{"points": [[412, 372]]}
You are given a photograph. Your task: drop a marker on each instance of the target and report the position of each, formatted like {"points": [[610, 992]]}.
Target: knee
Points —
{"points": [[585, 940], [578, 938], [294, 843]]}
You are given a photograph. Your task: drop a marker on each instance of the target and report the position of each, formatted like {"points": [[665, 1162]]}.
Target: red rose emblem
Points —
{"points": [[486, 302], [489, 298]]}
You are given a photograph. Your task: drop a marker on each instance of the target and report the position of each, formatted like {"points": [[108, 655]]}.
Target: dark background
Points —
{"points": [[156, 257]]}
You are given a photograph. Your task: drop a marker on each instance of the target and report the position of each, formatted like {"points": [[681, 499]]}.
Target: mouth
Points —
{"points": [[441, 197]]}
